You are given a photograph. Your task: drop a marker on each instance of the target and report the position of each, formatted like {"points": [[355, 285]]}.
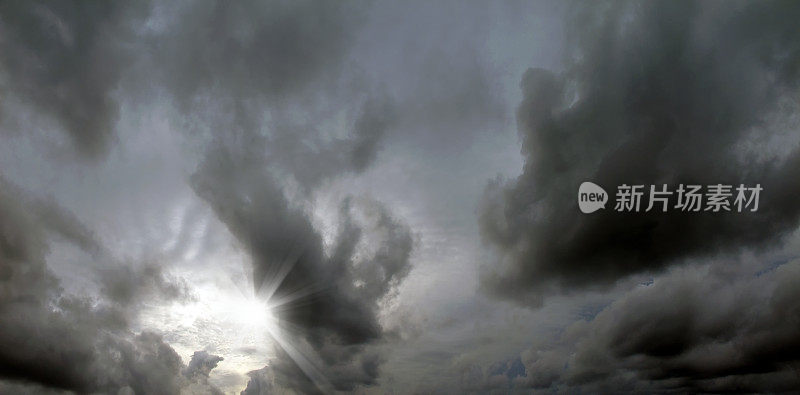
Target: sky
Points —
{"points": [[295, 197]]}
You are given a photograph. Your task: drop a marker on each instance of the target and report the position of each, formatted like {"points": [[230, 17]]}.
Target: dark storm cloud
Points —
{"points": [[65, 59], [336, 311], [655, 93], [692, 331], [56, 340]]}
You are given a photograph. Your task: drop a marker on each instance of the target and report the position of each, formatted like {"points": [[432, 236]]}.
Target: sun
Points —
{"points": [[253, 312]]}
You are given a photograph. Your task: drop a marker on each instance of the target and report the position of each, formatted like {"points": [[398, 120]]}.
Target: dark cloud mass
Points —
{"points": [[657, 93], [706, 336]]}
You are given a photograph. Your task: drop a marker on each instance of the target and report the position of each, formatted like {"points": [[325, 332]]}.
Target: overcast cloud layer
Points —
{"points": [[307, 197]]}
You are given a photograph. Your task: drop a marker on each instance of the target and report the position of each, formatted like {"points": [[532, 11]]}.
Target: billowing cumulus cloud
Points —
{"points": [[658, 93]]}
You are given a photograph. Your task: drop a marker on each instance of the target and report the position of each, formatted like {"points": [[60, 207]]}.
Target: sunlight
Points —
{"points": [[223, 317], [253, 313], [226, 316]]}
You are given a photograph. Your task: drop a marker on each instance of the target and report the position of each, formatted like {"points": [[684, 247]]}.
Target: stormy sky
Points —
{"points": [[292, 197]]}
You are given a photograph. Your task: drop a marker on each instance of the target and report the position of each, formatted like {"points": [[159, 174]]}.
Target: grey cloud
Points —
{"points": [[254, 49], [283, 106], [714, 327], [498, 377], [446, 89], [11, 387], [65, 59], [338, 293], [124, 283], [55, 340], [261, 382], [379, 272], [129, 283], [69, 60], [306, 154], [653, 93], [65, 224], [694, 330], [268, 63], [453, 97], [197, 371], [201, 364], [27, 285]]}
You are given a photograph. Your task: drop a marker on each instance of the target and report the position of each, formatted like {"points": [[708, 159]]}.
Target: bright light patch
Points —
{"points": [[252, 312], [225, 318]]}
